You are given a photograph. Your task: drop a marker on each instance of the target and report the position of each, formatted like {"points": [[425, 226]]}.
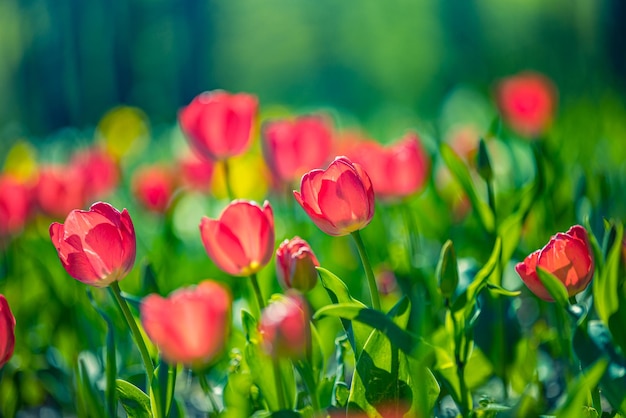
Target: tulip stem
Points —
{"points": [[257, 291], [208, 391], [141, 345], [278, 381], [229, 190], [371, 280]]}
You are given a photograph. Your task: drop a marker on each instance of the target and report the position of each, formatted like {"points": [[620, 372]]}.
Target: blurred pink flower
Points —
{"points": [[191, 325], [7, 331], [100, 171], [285, 328], [15, 205], [527, 102], [153, 186], [60, 189], [293, 147], [219, 124]]}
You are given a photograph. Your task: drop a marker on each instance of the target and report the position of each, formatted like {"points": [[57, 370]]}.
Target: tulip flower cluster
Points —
{"points": [[257, 339]]}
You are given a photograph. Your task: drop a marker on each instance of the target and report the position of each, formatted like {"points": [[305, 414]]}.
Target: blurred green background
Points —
{"points": [[66, 63]]}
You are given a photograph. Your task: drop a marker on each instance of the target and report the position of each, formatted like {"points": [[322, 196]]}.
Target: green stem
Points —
{"points": [[111, 371], [141, 345], [278, 381], [464, 406], [257, 291], [371, 280], [208, 391], [596, 400], [229, 190]]}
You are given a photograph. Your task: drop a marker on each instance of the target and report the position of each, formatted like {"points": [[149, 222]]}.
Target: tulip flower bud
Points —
{"points": [[340, 199], [285, 327], [484, 164], [191, 325], [568, 256], [7, 331], [295, 265], [96, 246], [447, 270]]}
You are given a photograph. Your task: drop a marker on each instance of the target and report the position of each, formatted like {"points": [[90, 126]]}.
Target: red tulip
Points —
{"points": [[15, 204], [7, 331], [284, 327], [154, 186], [241, 241], [295, 265], [60, 189], [96, 247], [196, 173], [191, 325], [527, 102], [340, 199], [292, 148], [396, 171], [218, 124], [567, 256], [99, 170]]}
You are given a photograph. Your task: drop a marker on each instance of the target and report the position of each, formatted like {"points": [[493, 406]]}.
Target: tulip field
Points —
{"points": [[250, 262]]}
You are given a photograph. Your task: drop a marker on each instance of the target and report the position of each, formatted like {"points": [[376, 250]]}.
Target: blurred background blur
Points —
{"points": [[66, 63]]}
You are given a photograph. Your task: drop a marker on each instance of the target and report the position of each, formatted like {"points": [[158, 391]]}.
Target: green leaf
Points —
{"points": [[338, 292], [606, 284], [554, 286], [401, 312], [462, 175], [163, 387], [447, 270], [90, 399], [388, 382], [594, 342], [467, 300], [135, 402], [502, 291], [375, 319], [578, 391], [249, 323]]}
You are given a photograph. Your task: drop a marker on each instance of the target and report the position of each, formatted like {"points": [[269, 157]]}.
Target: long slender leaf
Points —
{"points": [[135, 402]]}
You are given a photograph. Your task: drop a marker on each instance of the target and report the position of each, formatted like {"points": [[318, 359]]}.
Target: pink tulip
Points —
{"points": [[567, 256], [191, 325], [7, 331], [218, 124], [60, 189], [527, 102], [340, 199], [196, 173], [241, 241], [99, 169], [292, 148], [96, 247], [284, 327], [295, 265], [396, 171], [153, 187], [15, 205]]}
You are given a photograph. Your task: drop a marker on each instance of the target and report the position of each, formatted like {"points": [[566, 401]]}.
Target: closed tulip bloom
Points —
{"points": [[99, 169], [295, 265], [60, 189], [96, 247], [241, 241], [527, 102], [284, 327], [153, 187], [196, 173], [218, 124], [191, 325], [340, 199], [396, 171], [568, 256], [15, 205], [7, 331], [291, 148]]}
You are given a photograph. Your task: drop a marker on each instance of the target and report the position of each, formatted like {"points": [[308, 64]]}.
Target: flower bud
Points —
{"points": [[295, 265], [285, 327]]}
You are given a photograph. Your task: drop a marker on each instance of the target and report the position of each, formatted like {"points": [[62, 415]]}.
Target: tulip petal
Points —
{"points": [[222, 246], [104, 248]]}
